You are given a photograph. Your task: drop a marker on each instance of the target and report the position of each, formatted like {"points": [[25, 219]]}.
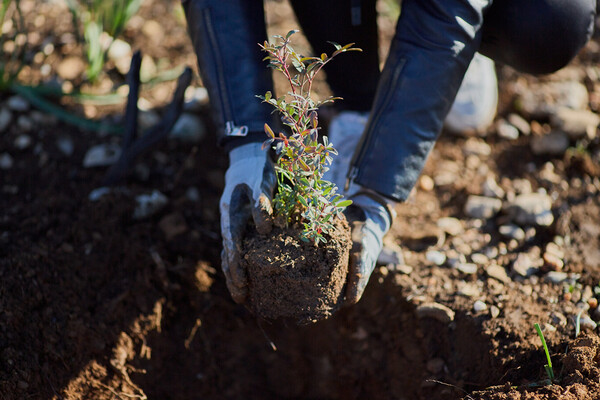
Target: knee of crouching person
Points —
{"points": [[537, 36]]}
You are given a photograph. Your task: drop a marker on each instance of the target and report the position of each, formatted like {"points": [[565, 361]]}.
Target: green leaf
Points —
{"points": [[290, 33], [344, 203], [269, 131], [337, 46], [302, 201]]}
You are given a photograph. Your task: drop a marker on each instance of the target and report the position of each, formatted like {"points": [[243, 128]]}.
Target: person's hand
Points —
{"points": [[370, 217], [249, 183]]}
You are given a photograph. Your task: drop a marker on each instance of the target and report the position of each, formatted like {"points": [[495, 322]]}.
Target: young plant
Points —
{"points": [[547, 367], [303, 196], [99, 17], [12, 42]]}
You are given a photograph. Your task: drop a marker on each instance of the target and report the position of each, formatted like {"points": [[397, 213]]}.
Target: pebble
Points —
{"points": [[452, 226], [5, 119], [576, 123], [436, 257], [390, 254], [531, 209], [553, 143], [17, 103], [494, 311], [512, 231], [482, 207], [22, 142], [192, 194], [479, 306], [587, 324], [476, 146], [556, 277], [148, 68], [552, 261], [195, 99], [65, 145], [479, 258], [6, 161], [436, 311], [120, 53], [466, 268], [558, 319], [149, 204], [101, 155], [98, 193], [497, 272], [541, 100], [524, 266], [522, 186], [147, 119], [401, 269], [506, 130], [491, 189], [426, 183], [24, 123], [173, 225], [555, 250], [70, 68], [469, 290], [154, 31], [520, 123], [188, 128]]}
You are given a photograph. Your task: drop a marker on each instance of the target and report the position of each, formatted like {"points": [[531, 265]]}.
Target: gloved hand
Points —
{"points": [[370, 217], [249, 183]]}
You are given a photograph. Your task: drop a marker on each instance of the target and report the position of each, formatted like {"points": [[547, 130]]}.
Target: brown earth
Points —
{"points": [[293, 279], [97, 305]]}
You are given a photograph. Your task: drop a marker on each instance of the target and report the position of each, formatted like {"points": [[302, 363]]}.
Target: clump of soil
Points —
{"points": [[290, 278]]}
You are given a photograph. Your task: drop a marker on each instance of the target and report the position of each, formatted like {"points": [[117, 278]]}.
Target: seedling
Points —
{"points": [[303, 195], [547, 367], [99, 18]]}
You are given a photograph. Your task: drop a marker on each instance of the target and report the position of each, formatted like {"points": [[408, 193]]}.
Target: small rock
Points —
{"points": [[466, 268], [497, 272], [452, 226], [148, 68], [192, 194], [25, 123], [102, 155], [541, 100], [436, 257], [524, 266], [196, 98], [22, 142], [555, 250], [553, 262], [476, 146], [70, 68], [65, 145], [494, 311], [97, 193], [576, 123], [6, 161], [149, 204], [401, 269], [5, 119], [587, 324], [482, 207], [188, 128], [491, 188], [553, 143], [436, 311], [480, 259], [479, 306], [120, 53], [558, 319], [173, 225], [522, 186], [507, 131], [426, 183], [520, 123], [17, 103], [531, 209], [556, 277], [154, 31], [512, 232], [435, 365], [469, 290]]}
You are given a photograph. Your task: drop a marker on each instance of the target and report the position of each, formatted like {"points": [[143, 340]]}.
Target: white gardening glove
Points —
{"points": [[345, 131], [249, 183], [370, 217]]}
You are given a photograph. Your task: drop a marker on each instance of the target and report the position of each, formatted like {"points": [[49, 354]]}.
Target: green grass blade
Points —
{"points": [[548, 367]]}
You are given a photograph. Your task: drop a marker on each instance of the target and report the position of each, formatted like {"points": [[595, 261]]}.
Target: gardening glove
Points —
{"points": [[345, 131], [249, 183], [370, 217]]}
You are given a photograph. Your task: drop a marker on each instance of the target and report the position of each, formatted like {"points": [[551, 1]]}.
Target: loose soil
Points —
{"points": [[290, 278], [97, 305]]}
